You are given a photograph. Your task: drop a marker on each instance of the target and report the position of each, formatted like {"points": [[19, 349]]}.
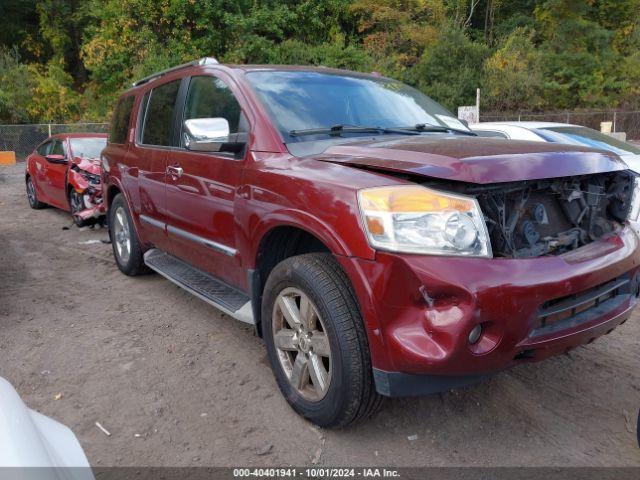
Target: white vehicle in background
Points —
{"points": [[30, 440], [560, 133]]}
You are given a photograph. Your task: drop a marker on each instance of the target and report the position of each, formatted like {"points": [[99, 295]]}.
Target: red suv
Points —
{"points": [[64, 172], [379, 247]]}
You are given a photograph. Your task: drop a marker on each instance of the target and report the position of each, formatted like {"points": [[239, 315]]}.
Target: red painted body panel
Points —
{"points": [[418, 310], [415, 337], [53, 180], [474, 159]]}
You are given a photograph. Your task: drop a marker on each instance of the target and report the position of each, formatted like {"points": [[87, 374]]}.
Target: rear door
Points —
{"points": [[201, 187], [56, 175], [156, 139]]}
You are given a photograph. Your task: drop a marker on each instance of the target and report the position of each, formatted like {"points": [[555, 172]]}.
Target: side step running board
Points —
{"points": [[224, 297]]}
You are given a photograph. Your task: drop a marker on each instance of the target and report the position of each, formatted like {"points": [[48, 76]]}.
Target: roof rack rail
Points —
{"points": [[194, 63]]}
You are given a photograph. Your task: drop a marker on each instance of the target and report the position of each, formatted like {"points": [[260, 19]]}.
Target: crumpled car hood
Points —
{"points": [[473, 159], [91, 165]]}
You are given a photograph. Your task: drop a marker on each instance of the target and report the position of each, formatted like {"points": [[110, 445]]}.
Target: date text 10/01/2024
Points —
{"points": [[315, 473]]}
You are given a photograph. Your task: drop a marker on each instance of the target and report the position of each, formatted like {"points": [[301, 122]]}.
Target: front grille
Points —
{"points": [[567, 312]]}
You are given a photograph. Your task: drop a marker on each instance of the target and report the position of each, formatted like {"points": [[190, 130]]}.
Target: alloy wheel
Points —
{"points": [[31, 192], [122, 235], [302, 344]]}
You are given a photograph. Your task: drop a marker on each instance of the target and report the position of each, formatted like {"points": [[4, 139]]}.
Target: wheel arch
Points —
{"points": [[112, 191], [277, 244]]}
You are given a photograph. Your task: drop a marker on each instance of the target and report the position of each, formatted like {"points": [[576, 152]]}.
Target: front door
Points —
{"points": [[55, 176], [201, 187]]}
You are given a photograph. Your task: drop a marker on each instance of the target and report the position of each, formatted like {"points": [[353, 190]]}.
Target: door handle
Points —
{"points": [[175, 171]]}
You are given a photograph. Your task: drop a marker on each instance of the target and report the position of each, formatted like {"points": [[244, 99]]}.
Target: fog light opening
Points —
{"points": [[475, 334]]}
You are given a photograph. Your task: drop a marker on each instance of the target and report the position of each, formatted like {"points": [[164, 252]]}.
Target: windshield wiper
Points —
{"points": [[427, 127], [337, 130]]}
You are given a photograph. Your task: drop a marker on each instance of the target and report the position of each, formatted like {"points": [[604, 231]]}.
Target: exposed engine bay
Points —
{"points": [[86, 198], [551, 216]]}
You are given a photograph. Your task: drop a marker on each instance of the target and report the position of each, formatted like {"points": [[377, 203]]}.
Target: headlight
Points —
{"points": [[635, 200], [105, 163], [416, 219]]}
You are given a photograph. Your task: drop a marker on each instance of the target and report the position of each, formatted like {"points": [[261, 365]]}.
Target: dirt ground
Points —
{"points": [[178, 383]]}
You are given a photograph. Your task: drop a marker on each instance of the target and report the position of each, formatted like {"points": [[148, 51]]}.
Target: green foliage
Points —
{"points": [[29, 93], [513, 74], [451, 69], [69, 59], [15, 88]]}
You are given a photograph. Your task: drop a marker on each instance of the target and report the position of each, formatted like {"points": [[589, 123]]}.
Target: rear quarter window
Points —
{"points": [[120, 121]]}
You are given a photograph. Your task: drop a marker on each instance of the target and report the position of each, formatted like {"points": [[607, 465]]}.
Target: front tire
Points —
{"points": [[32, 196], [126, 246], [76, 204], [316, 341]]}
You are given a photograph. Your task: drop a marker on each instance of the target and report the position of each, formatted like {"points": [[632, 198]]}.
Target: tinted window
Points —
{"points": [[58, 148], [588, 137], [87, 147], [141, 115], [120, 120], [490, 133], [159, 118], [44, 148], [210, 97]]}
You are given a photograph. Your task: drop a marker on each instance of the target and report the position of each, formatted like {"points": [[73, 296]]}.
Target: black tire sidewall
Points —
{"points": [[80, 222], [326, 411], [133, 264], [36, 203]]}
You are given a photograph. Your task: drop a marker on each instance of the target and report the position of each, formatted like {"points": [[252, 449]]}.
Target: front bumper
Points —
{"points": [[91, 192], [420, 310]]}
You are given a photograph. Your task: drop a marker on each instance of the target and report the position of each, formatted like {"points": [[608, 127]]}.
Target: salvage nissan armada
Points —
{"points": [[379, 247]]}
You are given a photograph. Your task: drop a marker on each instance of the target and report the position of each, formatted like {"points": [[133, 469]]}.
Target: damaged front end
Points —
{"points": [[533, 218], [85, 197]]}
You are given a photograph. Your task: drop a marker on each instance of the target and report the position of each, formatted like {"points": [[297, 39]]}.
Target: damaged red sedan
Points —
{"points": [[64, 172]]}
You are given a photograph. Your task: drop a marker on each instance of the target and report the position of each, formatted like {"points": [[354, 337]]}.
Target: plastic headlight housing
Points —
{"points": [[105, 163], [634, 211], [415, 219]]}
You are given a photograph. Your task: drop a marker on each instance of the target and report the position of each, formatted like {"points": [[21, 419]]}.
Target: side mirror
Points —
{"points": [[51, 158], [212, 135]]}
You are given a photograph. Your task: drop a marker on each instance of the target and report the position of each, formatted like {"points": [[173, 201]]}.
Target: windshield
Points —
{"points": [[87, 147], [588, 137], [302, 100]]}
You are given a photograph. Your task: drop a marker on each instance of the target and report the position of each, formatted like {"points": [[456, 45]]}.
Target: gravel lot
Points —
{"points": [[178, 383]]}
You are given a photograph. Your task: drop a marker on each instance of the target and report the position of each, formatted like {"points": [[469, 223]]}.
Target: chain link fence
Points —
{"points": [[623, 121], [22, 139]]}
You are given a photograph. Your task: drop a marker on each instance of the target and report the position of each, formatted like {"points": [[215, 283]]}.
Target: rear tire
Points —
{"points": [[32, 196], [322, 363], [76, 205], [127, 250]]}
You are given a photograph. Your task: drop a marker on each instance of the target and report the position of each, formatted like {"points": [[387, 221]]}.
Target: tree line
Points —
{"points": [[67, 60]]}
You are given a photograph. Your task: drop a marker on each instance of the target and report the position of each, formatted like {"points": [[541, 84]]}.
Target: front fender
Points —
{"points": [[77, 181], [344, 254], [262, 225]]}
